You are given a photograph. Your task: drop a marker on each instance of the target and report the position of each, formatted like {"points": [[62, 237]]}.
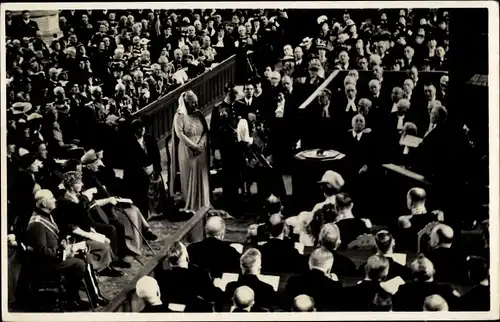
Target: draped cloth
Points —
{"points": [[189, 131]]}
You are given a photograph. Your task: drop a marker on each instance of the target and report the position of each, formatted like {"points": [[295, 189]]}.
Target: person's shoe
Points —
{"points": [[120, 264], [101, 301], [111, 272], [149, 235], [78, 305]]}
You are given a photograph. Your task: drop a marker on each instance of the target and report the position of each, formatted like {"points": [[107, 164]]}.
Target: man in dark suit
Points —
{"points": [[250, 264], [212, 253], [224, 144], [186, 284], [385, 247], [329, 238], [143, 162], [147, 289], [449, 262], [318, 283], [350, 227], [359, 297], [27, 27], [411, 296], [279, 254], [347, 109], [478, 298], [357, 145], [48, 255], [419, 217], [245, 106]]}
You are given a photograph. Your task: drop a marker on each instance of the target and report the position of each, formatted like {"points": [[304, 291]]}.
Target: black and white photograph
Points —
{"points": [[254, 160]]}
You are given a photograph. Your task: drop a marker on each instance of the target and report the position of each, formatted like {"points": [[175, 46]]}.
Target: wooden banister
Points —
{"points": [[121, 302]]}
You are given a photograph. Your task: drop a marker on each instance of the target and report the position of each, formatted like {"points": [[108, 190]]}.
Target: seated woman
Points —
{"points": [[72, 217], [127, 215]]}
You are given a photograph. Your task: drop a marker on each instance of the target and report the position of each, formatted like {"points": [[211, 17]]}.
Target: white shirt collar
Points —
{"points": [[419, 210], [357, 136], [248, 100]]}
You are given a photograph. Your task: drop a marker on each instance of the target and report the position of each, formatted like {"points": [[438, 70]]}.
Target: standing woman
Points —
{"points": [[192, 156]]}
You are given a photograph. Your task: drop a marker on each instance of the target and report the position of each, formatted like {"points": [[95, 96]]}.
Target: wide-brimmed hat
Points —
{"points": [[333, 179], [89, 157], [20, 108]]}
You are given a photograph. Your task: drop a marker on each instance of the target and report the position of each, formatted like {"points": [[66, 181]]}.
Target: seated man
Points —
{"points": [[478, 298], [244, 301], [186, 284], [419, 217], [319, 283], [303, 303], [385, 247], [212, 253], [435, 303], [279, 254], [349, 226], [449, 262], [411, 296], [48, 254], [250, 264], [147, 289], [329, 238], [331, 183], [258, 232], [360, 296]]}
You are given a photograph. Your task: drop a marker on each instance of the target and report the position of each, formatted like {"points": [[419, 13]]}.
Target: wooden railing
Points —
{"points": [[209, 87], [126, 300]]}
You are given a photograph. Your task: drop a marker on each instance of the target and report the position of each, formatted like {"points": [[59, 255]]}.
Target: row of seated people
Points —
{"points": [[78, 225], [196, 278]]}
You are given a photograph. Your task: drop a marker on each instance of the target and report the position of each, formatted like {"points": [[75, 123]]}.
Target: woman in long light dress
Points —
{"points": [[192, 155]]}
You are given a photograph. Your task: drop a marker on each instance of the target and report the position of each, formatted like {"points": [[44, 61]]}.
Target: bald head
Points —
{"points": [[244, 297], [403, 106], [303, 303], [147, 289], [215, 227], [441, 235], [276, 225], [435, 303], [422, 269], [377, 267], [416, 197], [321, 259]]}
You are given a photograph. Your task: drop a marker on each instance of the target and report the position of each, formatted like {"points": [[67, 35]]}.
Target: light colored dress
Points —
{"points": [[194, 175]]}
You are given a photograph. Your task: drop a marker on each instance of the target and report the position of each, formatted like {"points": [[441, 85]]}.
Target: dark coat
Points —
{"points": [[411, 296], [449, 263], [477, 299], [184, 286], [280, 256], [359, 297], [327, 293], [21, 200], [215, 256], [264, 293]]}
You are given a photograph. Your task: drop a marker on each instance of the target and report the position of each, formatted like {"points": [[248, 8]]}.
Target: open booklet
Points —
{"points": [[411, 141], [392, 285], [97, 237], [233, 277]]}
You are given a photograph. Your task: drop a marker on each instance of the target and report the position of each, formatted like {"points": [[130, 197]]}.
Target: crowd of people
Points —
{"points": [[70, 123], [442, 277]]}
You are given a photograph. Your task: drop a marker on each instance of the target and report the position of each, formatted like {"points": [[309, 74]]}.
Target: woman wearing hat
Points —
{"points": [[72, 217]]}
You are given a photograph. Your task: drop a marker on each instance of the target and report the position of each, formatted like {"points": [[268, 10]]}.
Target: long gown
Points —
{"points": [[194, 174]]}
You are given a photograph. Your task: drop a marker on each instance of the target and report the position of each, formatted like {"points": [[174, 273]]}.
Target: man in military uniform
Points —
{"points": [[224, 144], [49, 253]]}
